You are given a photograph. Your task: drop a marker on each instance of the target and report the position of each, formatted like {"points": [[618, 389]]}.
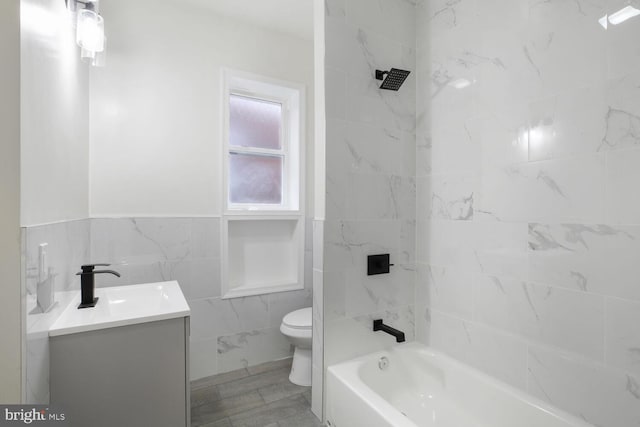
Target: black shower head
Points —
{"points": [[394, 79]]}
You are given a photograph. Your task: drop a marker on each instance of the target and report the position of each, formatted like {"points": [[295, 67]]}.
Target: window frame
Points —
{"points": [[291, 97]]}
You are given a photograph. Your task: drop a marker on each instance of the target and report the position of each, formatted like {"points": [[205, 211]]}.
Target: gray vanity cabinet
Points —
{"points": [[129, 376]]}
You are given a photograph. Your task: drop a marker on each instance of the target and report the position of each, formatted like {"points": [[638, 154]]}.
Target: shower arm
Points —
{"points": [[380, 74]]}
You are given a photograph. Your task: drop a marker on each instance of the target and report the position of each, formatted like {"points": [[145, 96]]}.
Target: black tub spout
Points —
{"points": [[379, 326]]}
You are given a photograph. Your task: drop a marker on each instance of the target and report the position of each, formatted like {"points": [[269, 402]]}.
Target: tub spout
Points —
{"points": [[379, 326]]}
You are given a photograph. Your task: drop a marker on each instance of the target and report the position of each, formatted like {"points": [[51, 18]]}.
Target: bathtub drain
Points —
{"points": [[383, 363]]}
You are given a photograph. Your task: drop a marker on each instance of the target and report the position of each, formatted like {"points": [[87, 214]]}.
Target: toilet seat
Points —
{"points": [[299, 319]]}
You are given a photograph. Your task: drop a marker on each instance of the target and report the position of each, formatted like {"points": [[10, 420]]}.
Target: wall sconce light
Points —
{"points": [[89, 30]]}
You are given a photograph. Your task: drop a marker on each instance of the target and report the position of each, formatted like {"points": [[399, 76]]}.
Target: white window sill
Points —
{"points": [[261, 289]]}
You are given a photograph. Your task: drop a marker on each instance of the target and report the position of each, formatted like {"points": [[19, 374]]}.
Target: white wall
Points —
{"points": [[319, 112], [155, 108], [10, 294], [55, 169], [55, 117]]}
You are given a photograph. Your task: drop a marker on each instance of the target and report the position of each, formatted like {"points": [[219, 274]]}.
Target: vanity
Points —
{"points": [[124, 362]]}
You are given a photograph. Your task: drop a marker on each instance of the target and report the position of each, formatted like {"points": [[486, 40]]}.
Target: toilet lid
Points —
{"points": [[300, 319]]}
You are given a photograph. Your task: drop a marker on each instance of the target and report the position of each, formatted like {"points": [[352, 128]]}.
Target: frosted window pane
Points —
{"points": [[255, 179], [254, 123]]}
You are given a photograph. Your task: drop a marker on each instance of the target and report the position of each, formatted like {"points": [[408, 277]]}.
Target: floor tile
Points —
{"points": [[204, 395], [259, 396], [224, 408], [274, 392], [306, 419], [271, 413], [307, 395], [254, 382], [221, 423]]}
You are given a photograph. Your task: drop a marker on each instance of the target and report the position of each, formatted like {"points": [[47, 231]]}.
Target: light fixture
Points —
{"points": [[89, 30], [460, 83], [623, 14]]}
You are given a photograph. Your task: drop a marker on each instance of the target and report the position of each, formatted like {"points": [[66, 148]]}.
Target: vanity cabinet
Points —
{"points": [[135, 375]]}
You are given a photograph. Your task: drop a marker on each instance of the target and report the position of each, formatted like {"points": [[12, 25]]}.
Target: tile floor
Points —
{"points": [[258, 396]]}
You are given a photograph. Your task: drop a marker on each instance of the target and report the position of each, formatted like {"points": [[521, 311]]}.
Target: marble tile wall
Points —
{"points": [[317, 357], [68, 248], [225, 334], [528, 213], [370, 185]]}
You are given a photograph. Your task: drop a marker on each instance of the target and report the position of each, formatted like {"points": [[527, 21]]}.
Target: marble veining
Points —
{"points": [[226, 344], [461, 209], [148, 250], [528, 125], [575, 236], [632, 387], [622, 128], [371, 175], [551, 183]]}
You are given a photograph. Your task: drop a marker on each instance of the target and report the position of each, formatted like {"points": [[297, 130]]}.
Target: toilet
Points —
{"points": [[296, 326]]}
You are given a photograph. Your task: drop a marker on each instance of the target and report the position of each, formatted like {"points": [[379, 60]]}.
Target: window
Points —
{"points": [[263, 144], [263, 217], [256, 152]]}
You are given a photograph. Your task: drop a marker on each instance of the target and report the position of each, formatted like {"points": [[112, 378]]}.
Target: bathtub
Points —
{"points": [[415, 386]]}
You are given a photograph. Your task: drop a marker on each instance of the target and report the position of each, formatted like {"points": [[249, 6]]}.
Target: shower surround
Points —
{"points": [[527, 214], [529, 219], [370, 169]]}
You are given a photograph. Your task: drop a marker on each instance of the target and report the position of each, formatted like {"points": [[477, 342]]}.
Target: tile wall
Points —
{"points": [[528, 160], [225, 334], [317, 356], [370, 185], [68, 248]]}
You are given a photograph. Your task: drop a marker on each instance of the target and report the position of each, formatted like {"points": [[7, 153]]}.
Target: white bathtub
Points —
{"points": [[422, 387]]}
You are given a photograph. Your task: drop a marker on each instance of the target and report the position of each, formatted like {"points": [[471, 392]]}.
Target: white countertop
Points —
{"points": [[122, 306]]}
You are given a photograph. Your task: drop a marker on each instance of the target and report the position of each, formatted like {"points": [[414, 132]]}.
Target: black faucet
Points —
{"points": [[379, 326], [87, 283]]}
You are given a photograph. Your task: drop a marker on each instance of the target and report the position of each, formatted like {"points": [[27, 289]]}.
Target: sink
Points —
{"points": [[122, 306]]}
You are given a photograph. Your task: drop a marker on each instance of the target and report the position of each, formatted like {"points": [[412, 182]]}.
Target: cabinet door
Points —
{"points": [[127, 376]]}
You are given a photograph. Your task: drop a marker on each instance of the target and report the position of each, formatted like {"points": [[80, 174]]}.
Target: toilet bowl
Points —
{"points": [[296, 326]]}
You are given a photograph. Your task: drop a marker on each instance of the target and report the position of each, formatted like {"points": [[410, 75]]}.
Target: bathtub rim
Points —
{"points": [[373, 400], [347, 373]]}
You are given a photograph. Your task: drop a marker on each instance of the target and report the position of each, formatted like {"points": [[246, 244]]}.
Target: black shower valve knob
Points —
{"points": [[378, 264]]}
